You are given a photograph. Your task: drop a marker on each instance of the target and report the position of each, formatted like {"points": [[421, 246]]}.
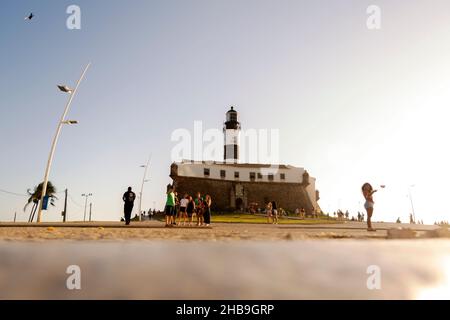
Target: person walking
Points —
{"points": [[368, 192], [128, 199], [170, 207], [207, 210]]}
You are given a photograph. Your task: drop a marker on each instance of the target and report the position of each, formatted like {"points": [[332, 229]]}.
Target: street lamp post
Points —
{"points": [[55, 139], [412, 204], [86, 195], [142, 186]]}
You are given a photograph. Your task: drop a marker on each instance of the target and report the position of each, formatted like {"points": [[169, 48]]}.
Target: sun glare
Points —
{"points": [[442, 290]]}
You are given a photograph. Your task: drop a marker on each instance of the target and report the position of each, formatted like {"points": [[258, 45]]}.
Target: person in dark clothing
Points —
{"points": [[128, 199], [274, 212], [190, 209], [207, 210]]}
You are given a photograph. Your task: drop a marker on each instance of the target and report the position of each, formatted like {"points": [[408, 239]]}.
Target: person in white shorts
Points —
{"points": [[183, 213]]}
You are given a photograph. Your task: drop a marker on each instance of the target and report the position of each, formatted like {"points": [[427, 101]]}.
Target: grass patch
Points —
{"points": [[250, 218]]}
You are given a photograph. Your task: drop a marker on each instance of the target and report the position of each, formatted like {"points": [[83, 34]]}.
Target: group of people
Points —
{"points": [[272, 212], [184, 210], [302, 213], [177, 211], [346, 216], [360, 217]]}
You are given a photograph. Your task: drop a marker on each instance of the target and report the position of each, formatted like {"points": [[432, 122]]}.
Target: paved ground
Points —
{"points": [[308, 269], [227, 261], [220, 231]]}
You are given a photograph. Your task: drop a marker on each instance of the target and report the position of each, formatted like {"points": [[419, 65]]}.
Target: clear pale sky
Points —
{"points": [[352, 104]]}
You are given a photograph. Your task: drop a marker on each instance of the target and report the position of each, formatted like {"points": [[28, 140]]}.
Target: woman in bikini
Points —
{"points": [[368, 192]]}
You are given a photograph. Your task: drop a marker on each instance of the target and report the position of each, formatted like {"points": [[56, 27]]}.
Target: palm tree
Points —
{"points": [[35, 196]]}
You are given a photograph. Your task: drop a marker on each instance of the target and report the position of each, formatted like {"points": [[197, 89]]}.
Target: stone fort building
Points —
{"points": [[237, 186]]}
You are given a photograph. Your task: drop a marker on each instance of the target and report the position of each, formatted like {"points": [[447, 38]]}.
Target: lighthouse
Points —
{"points": [[237, 185], [231, 130]]}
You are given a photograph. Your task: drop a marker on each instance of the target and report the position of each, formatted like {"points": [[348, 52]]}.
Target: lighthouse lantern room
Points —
{"points": [[231, 130]]}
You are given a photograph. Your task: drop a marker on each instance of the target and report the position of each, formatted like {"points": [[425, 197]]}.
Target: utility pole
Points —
{"points": [[86, 195], [142, 186], [65, 206], [412, 204], [90, 212]]}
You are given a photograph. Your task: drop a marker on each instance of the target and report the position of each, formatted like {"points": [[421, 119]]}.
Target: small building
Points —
{"points": [[238, 186]]}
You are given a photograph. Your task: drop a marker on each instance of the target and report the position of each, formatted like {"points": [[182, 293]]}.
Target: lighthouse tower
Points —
{"points": [[231, 130]]}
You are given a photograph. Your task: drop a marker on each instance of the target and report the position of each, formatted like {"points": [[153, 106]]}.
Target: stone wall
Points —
{"points": [[288, 196]]}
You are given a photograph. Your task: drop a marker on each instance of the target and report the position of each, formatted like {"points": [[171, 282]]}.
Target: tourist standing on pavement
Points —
{"points": [[207, 210], [368, 192], [170, 207], [274, 212], [190, 209], [128, 199], [199, 209], [176, 208], [269, 211], [183, 205]]}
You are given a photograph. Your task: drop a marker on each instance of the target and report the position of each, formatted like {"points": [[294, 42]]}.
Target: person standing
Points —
{"points": [[190, 209], [176, 208], [274, 212], [150, 214], [183, 205], [128, 199], [207, 210], [368, 192], [170, 207], [269, 211], [199, 209]]}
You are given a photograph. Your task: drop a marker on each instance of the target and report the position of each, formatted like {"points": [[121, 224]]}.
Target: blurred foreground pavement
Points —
{"points": [[309, 269]]}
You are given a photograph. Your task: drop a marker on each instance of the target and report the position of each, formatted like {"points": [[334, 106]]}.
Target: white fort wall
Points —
{"points": [[291, 174]]}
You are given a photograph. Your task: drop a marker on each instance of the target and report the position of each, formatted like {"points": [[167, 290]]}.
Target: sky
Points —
{"points": [[351, 104]]}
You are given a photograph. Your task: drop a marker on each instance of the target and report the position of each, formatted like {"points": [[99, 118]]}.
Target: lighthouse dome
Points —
{"points": [[232, 115], [232, 110]]}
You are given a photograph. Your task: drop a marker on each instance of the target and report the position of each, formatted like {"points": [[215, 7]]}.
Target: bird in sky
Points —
{"points": [[30, 16], [65, 89]]}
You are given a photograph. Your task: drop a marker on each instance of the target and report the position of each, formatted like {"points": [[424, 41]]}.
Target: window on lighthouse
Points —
{"points": [[232, 116]]}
